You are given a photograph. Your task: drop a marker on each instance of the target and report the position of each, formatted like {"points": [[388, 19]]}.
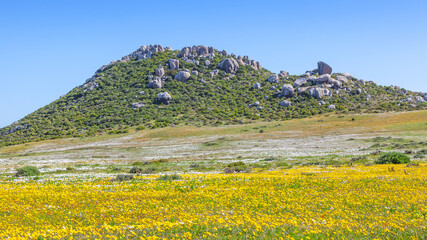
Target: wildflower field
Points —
{"points": [[355, 202]]}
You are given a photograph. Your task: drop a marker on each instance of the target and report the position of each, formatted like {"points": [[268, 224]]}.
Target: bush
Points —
{"points": [[123, 177], [136, 170], [236, 164], [170, 177], [27, 171], [147, 170], [237, 167], [392, 157]]}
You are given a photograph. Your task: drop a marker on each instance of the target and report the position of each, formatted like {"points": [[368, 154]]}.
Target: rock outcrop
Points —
{"points": [[300, 81], [325, 78], [323, 68], [143, 52], [164, 97], [214, 73], [137, 105], [160, 71], [285, 103], [283, 74], [273, 78], [155, 83], [319, 93], [173, 64], [182, 76], [18, 128], [197, 51], [335, 83], [257, 86], [287, 91], [342, 78], [245, 61], [229, 65]]}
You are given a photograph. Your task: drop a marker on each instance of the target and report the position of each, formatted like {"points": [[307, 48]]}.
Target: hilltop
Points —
{"points": [[157, 86]]}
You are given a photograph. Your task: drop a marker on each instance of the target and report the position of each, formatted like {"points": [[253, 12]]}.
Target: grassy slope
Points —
{"points": [[412, 123]]}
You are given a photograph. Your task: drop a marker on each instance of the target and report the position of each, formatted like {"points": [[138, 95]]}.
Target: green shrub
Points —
{"points": [[237, 167], [70, 169], [169, 177], [116, 169], [236, 164], [149, 170], [392, 157], [135, 170], [123, 177], [27, 171]]}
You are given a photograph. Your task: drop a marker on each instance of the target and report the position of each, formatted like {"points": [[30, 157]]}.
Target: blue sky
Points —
{"points": [[49, 47]]}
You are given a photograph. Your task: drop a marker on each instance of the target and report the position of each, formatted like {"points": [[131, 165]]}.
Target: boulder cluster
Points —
{"points": [[197, 51], [320, 85], [318, 82], [246, 61], [18, 128], [144, 52], [158, 79]]}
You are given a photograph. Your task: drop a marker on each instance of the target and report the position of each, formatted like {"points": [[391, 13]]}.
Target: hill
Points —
{"points": [[156, 87]]}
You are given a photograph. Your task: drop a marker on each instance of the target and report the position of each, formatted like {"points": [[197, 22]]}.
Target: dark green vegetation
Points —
{"points": [[393, 157], [237, 167], [223, 99], [169, 177], [27, 171]]}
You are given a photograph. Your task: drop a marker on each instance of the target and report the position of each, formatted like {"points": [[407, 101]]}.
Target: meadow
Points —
{"points": [[312, 178], [352, 202]]}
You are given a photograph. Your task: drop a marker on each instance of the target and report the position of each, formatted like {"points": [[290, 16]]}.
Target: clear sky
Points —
{"points": [[49, 47]]}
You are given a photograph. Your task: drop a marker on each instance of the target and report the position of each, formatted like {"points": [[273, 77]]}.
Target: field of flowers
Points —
{"points": [[362, 202]]}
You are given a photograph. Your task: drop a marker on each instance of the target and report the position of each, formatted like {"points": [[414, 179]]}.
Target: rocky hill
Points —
{"points": [[156, 86]]}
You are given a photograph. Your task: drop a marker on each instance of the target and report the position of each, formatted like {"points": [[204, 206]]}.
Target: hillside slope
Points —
{"points": [[156, 87]]}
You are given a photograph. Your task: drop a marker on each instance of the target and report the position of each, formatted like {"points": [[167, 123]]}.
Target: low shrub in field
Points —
{"points": [[147, 170], [27, 171], [392, 157], [135, 170], [123, 177], [237, 167], [170, 177]]}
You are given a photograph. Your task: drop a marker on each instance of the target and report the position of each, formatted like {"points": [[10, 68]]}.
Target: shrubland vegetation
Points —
{"points": [[223, 99]]}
